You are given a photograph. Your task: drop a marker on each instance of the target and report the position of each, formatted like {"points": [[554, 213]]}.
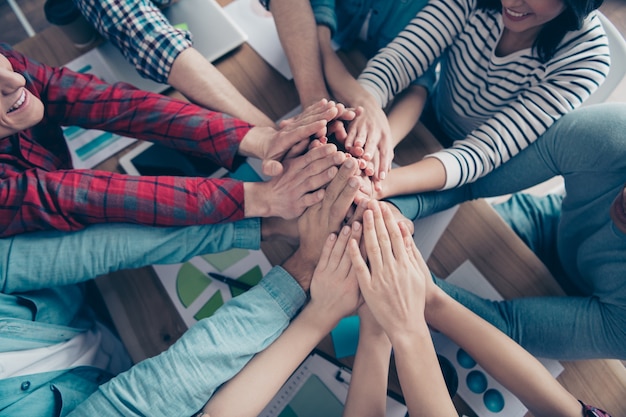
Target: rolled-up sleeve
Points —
{"points": [[140, 31], [180, 380]]}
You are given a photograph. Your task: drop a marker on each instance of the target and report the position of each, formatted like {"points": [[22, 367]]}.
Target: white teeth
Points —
{"points": [[515, 14], [19, 102]]}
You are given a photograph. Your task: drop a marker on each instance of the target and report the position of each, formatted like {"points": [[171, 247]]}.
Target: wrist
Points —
{"points": [[253, 141], [436, 302], [301, 268], [315, 317], [277, 228], [255, 200], [408, 337], [374, 335]]}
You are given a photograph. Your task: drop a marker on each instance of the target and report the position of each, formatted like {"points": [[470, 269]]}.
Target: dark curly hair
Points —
{"points": [[553, 32]]}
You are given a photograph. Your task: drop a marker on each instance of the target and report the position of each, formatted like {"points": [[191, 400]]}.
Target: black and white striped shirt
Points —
{"points": [[492, 107]]}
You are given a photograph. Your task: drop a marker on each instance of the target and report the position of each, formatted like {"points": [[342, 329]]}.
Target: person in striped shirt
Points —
{"points": [[509, 70]]}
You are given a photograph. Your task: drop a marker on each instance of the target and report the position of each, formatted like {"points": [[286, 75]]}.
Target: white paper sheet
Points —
{"points": [[258, 24]]}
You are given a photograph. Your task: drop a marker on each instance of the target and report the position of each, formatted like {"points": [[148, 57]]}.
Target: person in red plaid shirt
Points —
{"points": [[41, 191]]}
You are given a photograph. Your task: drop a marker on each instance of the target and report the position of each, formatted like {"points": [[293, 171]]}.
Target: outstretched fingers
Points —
{"points": [[340, 192]]}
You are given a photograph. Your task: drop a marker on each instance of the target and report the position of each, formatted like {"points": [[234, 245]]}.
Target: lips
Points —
{"points": [[513, 15], [19, 103]]}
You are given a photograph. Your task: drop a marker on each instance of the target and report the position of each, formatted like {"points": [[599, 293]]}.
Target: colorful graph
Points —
{"points": [[196, 295]]}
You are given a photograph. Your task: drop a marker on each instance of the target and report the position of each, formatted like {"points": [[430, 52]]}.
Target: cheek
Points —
{"points": [[38, 110], [551, 9], [34, 114]]}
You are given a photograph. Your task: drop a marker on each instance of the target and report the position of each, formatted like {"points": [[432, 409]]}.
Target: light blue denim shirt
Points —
{"points": [[41, 305]]}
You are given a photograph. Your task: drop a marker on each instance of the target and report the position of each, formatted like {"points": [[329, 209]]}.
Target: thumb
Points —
{"points": [[272, 168]]}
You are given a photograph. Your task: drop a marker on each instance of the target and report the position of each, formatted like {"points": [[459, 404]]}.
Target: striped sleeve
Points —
{"points": [[515, 115], [415, 49]]}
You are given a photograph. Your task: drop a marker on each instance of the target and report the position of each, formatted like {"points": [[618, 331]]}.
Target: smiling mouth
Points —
{"points": [[19, 102], [516, 14]]}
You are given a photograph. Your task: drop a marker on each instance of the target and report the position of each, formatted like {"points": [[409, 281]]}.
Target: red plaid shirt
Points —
{"points": [[40, 190]]}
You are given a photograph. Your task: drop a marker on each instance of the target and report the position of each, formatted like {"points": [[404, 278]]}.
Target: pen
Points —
{"points": [[230, 281]]}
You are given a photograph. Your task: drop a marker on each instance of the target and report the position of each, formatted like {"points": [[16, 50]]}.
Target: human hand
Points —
{"points": [[337, 127], [397, 214], [394, 286], [334, 126], [322, 219], [366, 188], [299, 185], [292, 137], [369, 137], [368, 325], [357, 214], [334, 288]]}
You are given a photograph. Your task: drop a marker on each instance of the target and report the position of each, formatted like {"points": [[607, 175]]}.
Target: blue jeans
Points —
{"points": [[575, 238], [41, 304]]}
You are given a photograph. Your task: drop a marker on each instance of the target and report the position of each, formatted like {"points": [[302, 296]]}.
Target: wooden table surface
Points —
{"points": [[147, 320]]}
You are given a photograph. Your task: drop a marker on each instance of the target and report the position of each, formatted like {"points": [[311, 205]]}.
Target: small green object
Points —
{"points": [[182, 26]]}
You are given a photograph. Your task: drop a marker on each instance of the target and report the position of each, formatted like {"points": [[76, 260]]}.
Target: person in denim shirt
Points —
{"points": [[580, 237], [317, 68], [42, 307]]}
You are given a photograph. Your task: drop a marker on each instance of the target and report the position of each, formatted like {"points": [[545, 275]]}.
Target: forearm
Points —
{"points": [[502, 358], [341, 83], [406, 111], [367, 395], [71, 199], [180, 380], [205, 85], [128, 246], [420, 375], [269, 369], [564, 328], [429, 174], [297, 31], [118, 108]]}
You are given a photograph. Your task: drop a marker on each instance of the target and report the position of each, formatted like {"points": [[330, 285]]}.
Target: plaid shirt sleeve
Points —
{"points": [[140, 31], [38, 192]]}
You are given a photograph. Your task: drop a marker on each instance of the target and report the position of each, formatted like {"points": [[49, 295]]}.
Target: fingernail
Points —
{"points": [[367, 156], [353, 182], [356, 226], [383, 175], [345, 230]]}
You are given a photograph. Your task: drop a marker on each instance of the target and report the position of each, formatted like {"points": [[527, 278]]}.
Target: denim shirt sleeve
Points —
{"points": [[182, 379], [103, 248], [324, 11], [407, 204]]}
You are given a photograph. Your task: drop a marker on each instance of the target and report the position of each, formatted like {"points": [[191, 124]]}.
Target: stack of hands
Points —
{"points": [[301, 161]]}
